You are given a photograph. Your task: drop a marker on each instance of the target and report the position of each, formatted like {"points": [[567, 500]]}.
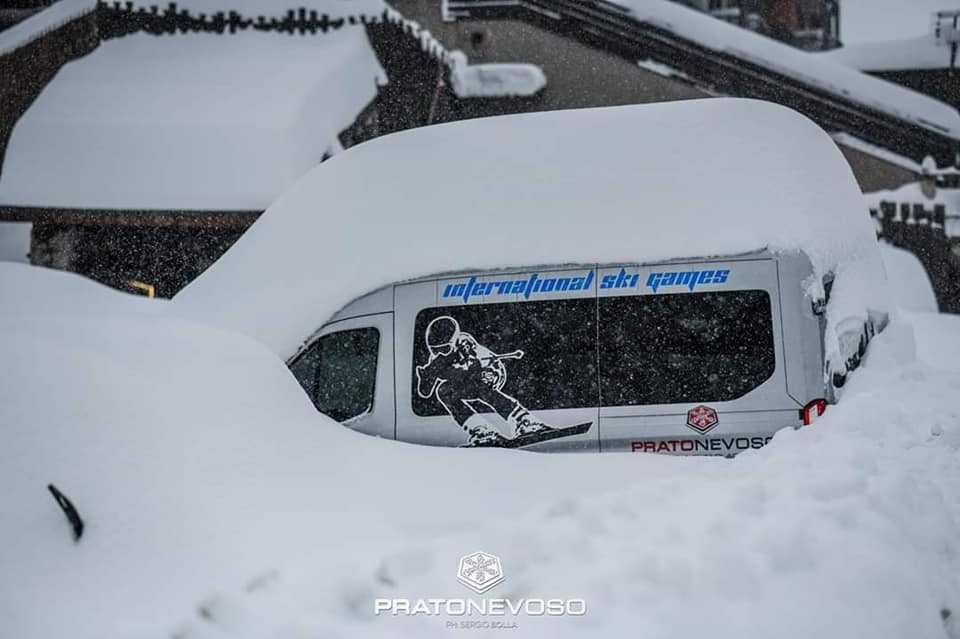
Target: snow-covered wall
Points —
{"points": [[634, 183]]}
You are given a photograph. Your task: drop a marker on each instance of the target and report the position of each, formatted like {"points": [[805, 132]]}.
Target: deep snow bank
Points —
{"points": [[618, 184], [219, 503], [846, 529], [910, 286], [198, 463]]}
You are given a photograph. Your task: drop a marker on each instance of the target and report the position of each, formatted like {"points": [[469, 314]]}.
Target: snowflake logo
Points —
{"points": [[480, 571], [702, 418]]}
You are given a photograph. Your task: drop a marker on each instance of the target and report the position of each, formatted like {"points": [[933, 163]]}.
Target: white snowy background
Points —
{"points": [[219, 503]]}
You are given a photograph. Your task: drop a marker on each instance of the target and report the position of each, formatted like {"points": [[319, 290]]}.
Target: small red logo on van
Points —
{"points": [[702, 418]]}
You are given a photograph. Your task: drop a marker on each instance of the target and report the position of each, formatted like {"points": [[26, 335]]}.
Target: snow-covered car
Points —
{"points": [[629, 279]]}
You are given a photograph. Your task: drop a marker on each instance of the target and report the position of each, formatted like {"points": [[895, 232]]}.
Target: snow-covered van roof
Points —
{"points": [[201, 122], [621, 184]]}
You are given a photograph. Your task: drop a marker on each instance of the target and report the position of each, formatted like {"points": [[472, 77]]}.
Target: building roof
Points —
{"points": [[921, 52], [197, 122], [814, 70], [866, 21], [890, 35]]}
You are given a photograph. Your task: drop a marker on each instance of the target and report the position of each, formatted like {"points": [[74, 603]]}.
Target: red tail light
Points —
{"points": [[812, 411]]}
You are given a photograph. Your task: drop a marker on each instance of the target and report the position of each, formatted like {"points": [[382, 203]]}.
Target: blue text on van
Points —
{"points": [[689, 279], [525, 287]]}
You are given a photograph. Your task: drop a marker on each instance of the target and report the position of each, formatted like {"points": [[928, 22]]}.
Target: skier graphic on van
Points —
{"points": [[461, 372]]}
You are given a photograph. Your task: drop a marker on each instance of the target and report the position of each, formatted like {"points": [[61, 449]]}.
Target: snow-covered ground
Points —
{"points": [[219, 503], [193, 122]]}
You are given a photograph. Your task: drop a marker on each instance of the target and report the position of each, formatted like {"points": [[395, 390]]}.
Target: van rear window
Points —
{"points": [[678, 348], [543, 354]]}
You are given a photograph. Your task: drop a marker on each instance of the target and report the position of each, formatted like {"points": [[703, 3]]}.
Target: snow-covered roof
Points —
{"points": [[890, 35], [921, 52], [194, 122], [864, 21], [252, 8], [622, 184], [811, 69], [53, 17]]}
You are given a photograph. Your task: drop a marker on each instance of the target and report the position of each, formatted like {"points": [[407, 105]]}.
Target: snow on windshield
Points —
{"points": [[625, 184]]}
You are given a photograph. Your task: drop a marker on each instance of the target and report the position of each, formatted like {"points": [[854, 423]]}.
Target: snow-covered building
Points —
{"points": [[653, 50], [144, 159], [173, 145], [924, 217], [926, 60]]}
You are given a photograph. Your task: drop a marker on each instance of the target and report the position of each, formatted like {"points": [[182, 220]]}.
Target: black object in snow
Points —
{"points": [[69, 510]]}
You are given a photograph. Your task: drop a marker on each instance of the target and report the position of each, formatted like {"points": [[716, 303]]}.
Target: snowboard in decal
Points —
{"points": [[461, 373]]}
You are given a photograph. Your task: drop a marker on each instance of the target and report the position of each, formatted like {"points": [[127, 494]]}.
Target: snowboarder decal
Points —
{"points": [[461, 372]]}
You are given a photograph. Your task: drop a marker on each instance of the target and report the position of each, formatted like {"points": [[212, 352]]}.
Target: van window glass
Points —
{"points": [[540, 354], [339, 372], [678, 348]]}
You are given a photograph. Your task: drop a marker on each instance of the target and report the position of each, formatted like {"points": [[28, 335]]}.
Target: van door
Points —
{"points": [[692, 357], [498, 352], [347, 371]]}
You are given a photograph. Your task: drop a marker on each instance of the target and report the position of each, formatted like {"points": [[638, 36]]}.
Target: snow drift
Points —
{"points": [[219, 503], [910, 286]]}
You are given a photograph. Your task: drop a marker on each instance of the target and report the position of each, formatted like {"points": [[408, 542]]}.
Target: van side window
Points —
{"points": [[540, 353], [339, 372], [678, 348]]}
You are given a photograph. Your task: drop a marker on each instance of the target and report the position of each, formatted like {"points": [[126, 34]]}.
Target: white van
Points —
{"points": [[706, 357], [683, 278]]}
